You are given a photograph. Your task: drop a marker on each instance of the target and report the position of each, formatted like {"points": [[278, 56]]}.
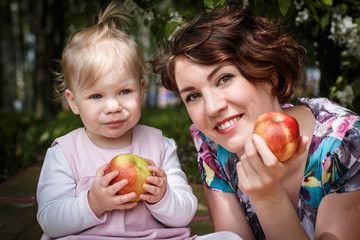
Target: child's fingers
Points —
{"points": [[147, 197], [155, 190], [100, 172], [151, 198], [105, 181], [125, 198], [156, 181], [151, 162], [159, 172], [122, 201], [114, 188]]}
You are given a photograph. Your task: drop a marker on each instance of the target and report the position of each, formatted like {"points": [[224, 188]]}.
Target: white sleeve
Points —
{"points": [[179, 204], [60, 213]]}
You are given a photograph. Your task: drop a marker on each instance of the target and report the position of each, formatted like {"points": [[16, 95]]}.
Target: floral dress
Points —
{"points": [[333, 163]]}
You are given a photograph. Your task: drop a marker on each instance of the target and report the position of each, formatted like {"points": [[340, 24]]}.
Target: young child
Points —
{"points": [[102, 80]]}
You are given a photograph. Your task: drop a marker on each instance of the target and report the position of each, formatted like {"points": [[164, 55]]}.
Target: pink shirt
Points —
{"points": [[69, 170]]}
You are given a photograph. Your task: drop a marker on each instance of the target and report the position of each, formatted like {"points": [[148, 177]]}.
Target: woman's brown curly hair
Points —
{"points": [[260, 49]]}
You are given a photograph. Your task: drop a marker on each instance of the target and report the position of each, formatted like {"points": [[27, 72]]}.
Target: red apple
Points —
{"points": [[134, 169], [280, 132]]}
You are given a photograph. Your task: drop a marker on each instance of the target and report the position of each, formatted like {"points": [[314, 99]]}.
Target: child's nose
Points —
{"points": [[112, 105]]}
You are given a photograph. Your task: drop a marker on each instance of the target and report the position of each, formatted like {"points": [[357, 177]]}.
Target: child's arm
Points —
{"points": [[178, 205], [60, 213]]}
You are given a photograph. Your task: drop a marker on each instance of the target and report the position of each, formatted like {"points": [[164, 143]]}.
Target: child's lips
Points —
{"points": [[114, 123]]}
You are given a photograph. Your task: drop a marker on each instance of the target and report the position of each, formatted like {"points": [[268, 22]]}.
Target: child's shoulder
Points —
{"points": [[70, 136]]}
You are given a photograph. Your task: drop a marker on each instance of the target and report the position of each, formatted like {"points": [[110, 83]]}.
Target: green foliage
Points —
{"points": [[17, 146], [170, 28], [25, 137], [175, 123], [211, 4], [284, 6]]}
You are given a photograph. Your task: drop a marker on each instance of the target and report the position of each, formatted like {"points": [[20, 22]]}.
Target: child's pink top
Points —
{"points": [[69, 170]]}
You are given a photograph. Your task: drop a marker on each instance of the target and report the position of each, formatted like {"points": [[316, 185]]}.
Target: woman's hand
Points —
{"points": [[259, 171], [157, 184], [102, 197]]}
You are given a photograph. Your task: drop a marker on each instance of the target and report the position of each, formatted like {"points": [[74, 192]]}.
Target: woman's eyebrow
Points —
{"points": [[186, 89], [209, 77], [215, 70]]}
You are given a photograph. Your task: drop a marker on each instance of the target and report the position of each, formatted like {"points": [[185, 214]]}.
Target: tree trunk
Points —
{"points": [[48, 28]]}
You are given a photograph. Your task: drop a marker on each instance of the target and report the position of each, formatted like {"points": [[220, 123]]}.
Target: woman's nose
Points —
{"points": [[214, 104], [112, 105]]}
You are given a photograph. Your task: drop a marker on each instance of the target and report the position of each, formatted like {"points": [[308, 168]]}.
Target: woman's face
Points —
{"points": [[221, 102]]}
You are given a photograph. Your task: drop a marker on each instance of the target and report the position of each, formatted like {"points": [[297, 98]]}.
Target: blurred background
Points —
{"points": [[33, 34]]}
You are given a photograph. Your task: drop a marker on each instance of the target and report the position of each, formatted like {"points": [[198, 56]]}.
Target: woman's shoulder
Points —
{"points": [[335, 145], [325, 106], [332, 119]]}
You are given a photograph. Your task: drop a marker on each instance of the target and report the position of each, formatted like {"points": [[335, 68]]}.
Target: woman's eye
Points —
{"points": [[125, 92], [192, 97], [96, 96], [224, 79]]}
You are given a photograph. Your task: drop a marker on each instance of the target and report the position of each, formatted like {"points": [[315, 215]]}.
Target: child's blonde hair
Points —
{"points": [[96, 50]]}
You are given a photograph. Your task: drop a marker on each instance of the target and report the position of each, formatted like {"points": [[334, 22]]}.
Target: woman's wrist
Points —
{"points": [[270, 197], [276, 211]]}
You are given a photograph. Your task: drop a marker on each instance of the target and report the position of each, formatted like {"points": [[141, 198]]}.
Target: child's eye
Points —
{"points": [[192, 97], [223, 79], [96, 96], [125, 92]]}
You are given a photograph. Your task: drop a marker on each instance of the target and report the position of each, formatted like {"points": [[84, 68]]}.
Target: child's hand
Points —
{"points": [[157, 184], [102, 197]]}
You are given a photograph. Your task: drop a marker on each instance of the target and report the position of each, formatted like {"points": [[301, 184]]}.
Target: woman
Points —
{"points": [[229, 67]]}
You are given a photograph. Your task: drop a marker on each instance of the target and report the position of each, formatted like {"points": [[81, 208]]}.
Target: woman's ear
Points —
{"points": [[142, 90], [71, 100]]}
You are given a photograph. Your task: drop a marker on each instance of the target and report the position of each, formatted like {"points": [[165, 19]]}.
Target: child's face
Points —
{"points": [[110, 108]]}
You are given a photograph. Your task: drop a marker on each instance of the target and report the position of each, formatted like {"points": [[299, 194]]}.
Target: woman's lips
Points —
{"points": [[227, 125]]}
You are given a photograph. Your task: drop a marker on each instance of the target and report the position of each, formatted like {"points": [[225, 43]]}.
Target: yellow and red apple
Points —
{"points": [[280, 132], [134, 169]]}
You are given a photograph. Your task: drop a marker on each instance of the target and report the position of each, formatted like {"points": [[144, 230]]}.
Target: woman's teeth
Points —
{"points": [[228, 123]]}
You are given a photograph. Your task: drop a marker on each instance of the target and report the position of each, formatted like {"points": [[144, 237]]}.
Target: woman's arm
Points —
{"points": [[339, 216], [227, 214], [259, 175]]}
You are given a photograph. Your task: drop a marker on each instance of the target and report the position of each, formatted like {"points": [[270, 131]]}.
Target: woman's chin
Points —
{"points": [[233, 148]]}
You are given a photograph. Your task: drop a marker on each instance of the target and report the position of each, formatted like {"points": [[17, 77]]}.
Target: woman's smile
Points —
{"points": [[227, 125]]}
